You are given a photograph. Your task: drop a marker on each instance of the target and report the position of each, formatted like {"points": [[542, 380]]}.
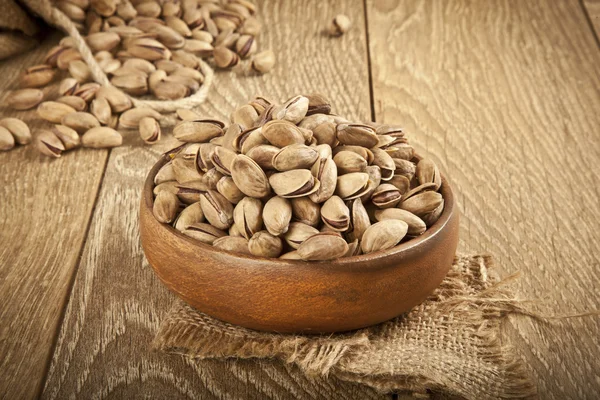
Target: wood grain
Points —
{"points": [[117, 302], [506, 100], [45, 206], [593, 10]]}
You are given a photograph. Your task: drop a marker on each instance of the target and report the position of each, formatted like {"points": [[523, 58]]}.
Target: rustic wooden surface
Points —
{"points": [[505, 98]]}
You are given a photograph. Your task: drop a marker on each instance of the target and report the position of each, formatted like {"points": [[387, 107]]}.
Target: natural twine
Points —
{"points": [[59, 19]]}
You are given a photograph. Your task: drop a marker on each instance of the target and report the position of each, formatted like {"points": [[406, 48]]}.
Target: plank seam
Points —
{"points": [[586, 14], [371, 91], [71, 284]]}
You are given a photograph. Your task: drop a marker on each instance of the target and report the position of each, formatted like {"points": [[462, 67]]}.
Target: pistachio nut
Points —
{"points": [[352, 185], [249, 139], [49, 144], [179, 26], [385, 163], [37, 76], [431, 217], [167, 36], [427, 172], [185, 170], [87, 91], [245, 46], [7, 141], [126, 11], [165, 207], [401, 182], [386, 196], [348, 161], [294, 156], [149, 130], [118, 101], [251, 26], [198, 131], [226, 186], [222, 159], [191, 191], [249, 177], [52, 55], [217, 210], [24, 99], [65, 58], [225, 58], [206, 233], [356, 135], [400, 150], [133, 84], [416, 226], [335, 214], [203, 49], [326, 172], [170, 90], [264, 61], [169, 186], [232, 243], [188, 72], [294, 183], [297, 233], [305, 211], [276, 215], [103, 41], [263, 244], [234, 231], [383, 235], [141, 65], [76, 102], [422, 203], [361, 151], [187, 115], [404, 168], [282, 133], [186, 59], [263, 155], [211, 178], [131, 118], [199, 34], [247, 216], [53, 112], [100, 108], [292, 110], [359, 220], [290, 255], [148, 49], [101, 137], [105, 8], [353, 249], [203, 157], [18, 129], [68, 86], [246, 116], [165, 173], [67, 136], [374, 181], [148, 9], [339, 25], [325, 133], [80, 121], [323, 246]]}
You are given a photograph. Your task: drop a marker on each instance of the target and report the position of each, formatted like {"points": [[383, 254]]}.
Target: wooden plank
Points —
{"points": [[45, 207], [118, 303], [506, 100], [592, 8]]}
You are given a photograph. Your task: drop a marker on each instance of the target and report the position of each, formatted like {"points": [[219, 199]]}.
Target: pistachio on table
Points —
{"points": [[268, 186]]}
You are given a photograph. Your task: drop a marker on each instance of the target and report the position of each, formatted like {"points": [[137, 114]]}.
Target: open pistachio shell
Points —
{"points": [[294, 183]]}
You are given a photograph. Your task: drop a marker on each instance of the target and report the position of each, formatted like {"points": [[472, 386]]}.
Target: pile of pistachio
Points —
{"points": [[295, 181]]}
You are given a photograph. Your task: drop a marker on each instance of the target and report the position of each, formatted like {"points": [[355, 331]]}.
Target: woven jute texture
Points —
{"points": [[450, 344]]}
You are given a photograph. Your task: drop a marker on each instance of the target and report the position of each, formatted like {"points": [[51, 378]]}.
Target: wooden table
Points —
{"points": [[504, 97]]}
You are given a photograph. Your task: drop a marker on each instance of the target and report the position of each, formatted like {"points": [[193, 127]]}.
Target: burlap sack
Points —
{"points": [[17, 29], [450, 344], [53, 16]]}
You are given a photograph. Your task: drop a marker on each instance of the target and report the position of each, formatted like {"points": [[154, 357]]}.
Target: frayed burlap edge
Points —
{"points": [[481, 301]]}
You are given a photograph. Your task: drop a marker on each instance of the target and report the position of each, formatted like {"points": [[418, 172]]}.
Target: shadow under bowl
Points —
{"points": [[296, 296]]}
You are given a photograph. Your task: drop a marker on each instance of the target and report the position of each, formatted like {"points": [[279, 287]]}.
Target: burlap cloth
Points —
{"points": [[450, 344]]}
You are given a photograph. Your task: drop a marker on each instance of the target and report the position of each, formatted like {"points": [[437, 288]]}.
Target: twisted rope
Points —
{"points": [[59, 19]]}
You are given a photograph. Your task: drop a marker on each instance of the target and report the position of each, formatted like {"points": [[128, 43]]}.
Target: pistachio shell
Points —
{"points": [[198, 131], [326, 172], [374, 180], [249, 177], [335, 214], [248, 139], [428, 172], [170, 186], [217, 210], [263, 155], [404, 168], [277, 214], [101, 137], [294, 183], [305, 211], [386, 196], [206, 233], [383, 235], [297, 233], [385, 163], [226, 186], [248, 216], [291, 255], [263, 244], [348, 161], [352, 185], [293, 110], [401, 182], [185, 170], [49, 144], [67, 136], [222, 159], [282, 133], [416, 226], [190, 215], [356, 134], [81, 122], [246, 116], [295, 156], [323, 246], [19, 129], [359, 220], [232, 243], [191, 191], [165, 207]]}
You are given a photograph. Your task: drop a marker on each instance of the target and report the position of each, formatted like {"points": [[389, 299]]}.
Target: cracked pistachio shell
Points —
{"points": [[234, 244], [419, 189], [294, 183], [405, 168], [335, 214], [431, 217], [385, 163], [199, 131], [326, 172], [211, 178], [263, 155], [352, 185], [277, 214], [222, 159], [232, 132], [234, 231], [19, 129], [165, 207], [118, 100], [7, 141], [318, 104], [357, 135], [416, 226], [164, 174], [24, 99], [264, 61], [323, 246], [130, 119], [76, 102], [291, 255], [361, 151], [185, 170], [206, 233], [54, 112], [428, 172], [386, 129], [374, 180], [248, 139], [359, 220], [67, 136], [401, 182], [263, 244], [101, 137], [190, 192], [246, 116], [324, 150], [326, 133], [68, 86], [217, 210], [297, 233], [348, 161], [401, 150], [203, 157], [282, 133], [37, 76], [312, 121], [306, 211], [386, 196], [149, 130], [247, 216], [170, 186], [226, 186], [295, 156], [245, 46], [49, 144], [190, 215], [292, 110], [426, 205], [383, 235], [187, 115], [353, 249], [80, 121], [249, 177], [224, 57]]}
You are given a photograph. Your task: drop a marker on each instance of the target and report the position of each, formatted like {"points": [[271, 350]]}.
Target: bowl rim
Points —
{"points": [[403, 249]]}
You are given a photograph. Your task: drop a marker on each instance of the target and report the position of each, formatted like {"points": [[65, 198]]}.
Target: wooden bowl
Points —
{"points": [[296, 296]]}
